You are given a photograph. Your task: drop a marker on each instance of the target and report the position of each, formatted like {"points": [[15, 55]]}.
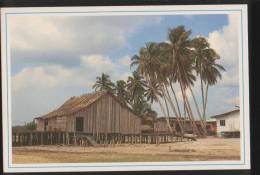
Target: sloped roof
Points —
{"points": [[225, 114], [74, 104]]}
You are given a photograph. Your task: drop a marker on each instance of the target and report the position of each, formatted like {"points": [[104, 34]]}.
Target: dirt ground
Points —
{"points": [[201, 150]]}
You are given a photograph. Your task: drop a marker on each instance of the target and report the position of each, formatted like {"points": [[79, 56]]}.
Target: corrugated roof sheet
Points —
{"points": [[226, 113]]}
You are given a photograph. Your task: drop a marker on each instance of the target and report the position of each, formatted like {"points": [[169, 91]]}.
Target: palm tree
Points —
{"points": [[210, 77], [148, 64], [178, 52], [135, 86], [103, 83], [172, 64], [153, 93], [206, 67], [121, 91], [141, 107]]}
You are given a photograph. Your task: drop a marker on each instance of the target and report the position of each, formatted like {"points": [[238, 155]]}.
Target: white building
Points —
{"points": [[228, 124]]}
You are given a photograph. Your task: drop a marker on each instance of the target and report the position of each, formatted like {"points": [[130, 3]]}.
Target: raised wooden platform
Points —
{"points": [[87, 139]]}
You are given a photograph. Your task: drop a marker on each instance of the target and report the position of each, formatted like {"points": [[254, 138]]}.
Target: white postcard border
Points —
{"points": [[127, 10]]}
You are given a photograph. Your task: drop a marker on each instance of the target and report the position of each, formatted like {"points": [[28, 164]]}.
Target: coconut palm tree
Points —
{"points": [[153, 93], [210, 77], [103, 83], [135, 86], [178, 52], [141, 107], [121, 92], [206, 67], [148, 63]]}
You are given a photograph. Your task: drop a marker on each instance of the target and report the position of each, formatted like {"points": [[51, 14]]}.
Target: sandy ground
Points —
{"points": [[201, 150]]}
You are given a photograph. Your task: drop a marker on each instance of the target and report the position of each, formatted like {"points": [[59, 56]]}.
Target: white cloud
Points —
{"points": [[80, 35], [43, 77], [97, 63], [225, 41], [56, 76], [39, 84], [126, 60]]}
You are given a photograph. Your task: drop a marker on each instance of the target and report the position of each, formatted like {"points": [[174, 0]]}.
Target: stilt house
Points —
{"points": [[94, 113]]}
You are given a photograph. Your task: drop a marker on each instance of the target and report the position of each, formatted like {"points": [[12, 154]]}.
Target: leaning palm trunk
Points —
{"points": [[202, 94], [176, 101], [205, 103], [161, 106], [164, 113], [191, 115], [168, 116], [184, 116], [174, 110], [202, 122], [189, 111]]}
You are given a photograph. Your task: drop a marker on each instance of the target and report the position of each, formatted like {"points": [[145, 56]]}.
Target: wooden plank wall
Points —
{"points": [[39, 125], [106, 115], [54, 124]]}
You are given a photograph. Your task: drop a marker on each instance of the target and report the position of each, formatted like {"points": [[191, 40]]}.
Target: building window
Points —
{"points": [[222, 123]]}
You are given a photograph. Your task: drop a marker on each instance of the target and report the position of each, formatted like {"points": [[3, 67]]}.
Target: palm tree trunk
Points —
{"points": [[203, 125], [192, 116], [174, 110], [189, 111], [164, 113], [184, 116], [202, 92], [168, 116], [176, 100], [205, 103], [161, 106]]}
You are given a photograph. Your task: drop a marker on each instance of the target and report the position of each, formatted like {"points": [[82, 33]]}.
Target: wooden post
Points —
{"points": [[59, 134], [41, 135], [75, 139], [30, 138], [21, 139], [51, 138]]}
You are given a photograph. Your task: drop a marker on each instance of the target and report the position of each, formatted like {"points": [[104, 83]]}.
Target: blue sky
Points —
{"points": [[199, 24], [54, 58]]}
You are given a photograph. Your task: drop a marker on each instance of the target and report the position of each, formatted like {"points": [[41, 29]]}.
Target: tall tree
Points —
{"points": [[153, 93], [178, 52], [136, 86], [104, 83], [206, 68], [121, 91], [148, 64]]}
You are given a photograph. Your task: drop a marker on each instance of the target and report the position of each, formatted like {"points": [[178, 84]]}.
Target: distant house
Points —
{"points": [[211, 125], [161, 126], [94, 113], [228, 124]]}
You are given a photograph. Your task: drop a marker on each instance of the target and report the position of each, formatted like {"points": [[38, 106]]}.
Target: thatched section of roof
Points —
{"points": [[74, 104]]}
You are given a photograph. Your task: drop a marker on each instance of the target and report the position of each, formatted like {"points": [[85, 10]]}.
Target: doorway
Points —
{"points": [[79, 124]]}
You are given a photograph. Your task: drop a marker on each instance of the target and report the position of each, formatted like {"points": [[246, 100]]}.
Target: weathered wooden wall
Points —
{"points": [[54, 124], [106, 115], [39, 125]]}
